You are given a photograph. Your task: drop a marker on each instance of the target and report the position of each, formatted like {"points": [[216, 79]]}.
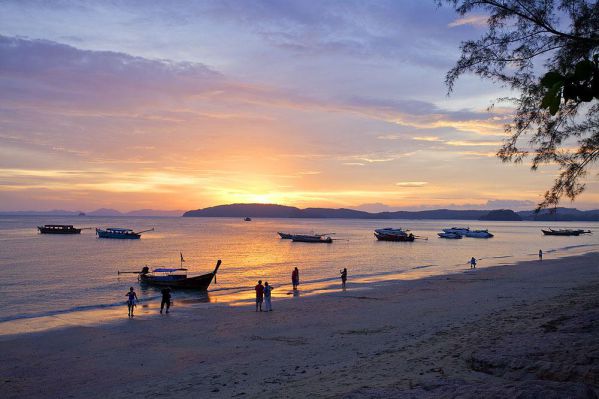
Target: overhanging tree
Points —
{"points": [[547, 51]]}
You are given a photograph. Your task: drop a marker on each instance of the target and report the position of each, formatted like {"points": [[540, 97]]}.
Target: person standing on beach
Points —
{"points": [[343, 277], [473, 263], [166, 299], [259, 295], [267, 290], [132, 298], [295, 278], [540, 254]]}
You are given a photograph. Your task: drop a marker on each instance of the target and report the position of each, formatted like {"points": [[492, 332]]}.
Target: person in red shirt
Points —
{"points": [[259, 295]]}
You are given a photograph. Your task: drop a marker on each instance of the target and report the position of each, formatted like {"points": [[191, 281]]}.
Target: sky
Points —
{"points": [[190, 104]]}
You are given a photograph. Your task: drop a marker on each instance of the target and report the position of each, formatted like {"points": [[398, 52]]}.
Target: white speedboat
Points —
{"points": [[458, 230], [478, 234], [450, 235]]}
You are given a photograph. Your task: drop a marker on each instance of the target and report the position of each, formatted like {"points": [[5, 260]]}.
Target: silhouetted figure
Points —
{"points": [[540, 254], [166, 299], [259, 295], [343, 277], [295, 278], [131, 300], [267, 290], [473, 263]]}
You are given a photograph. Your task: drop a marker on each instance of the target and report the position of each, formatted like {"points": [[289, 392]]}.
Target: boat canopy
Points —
{"points": [[118, 229], [166, 270]]}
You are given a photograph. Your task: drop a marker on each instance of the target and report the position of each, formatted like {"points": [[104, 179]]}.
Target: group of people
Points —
{"points": [[132, 300], [263, 294]]}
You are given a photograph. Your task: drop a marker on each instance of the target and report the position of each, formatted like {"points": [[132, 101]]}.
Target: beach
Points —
{"points": [[530, 329]]}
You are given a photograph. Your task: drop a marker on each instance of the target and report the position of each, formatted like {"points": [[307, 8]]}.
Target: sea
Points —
{"points": [[54, 281]]}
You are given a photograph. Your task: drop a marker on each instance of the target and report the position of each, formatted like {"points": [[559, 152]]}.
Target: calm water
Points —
{"points": [[54, 280]]}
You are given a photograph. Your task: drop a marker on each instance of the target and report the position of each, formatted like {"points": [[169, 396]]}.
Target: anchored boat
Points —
{"points": [[120, 233], [391, 234], [316, 238], [58, 229], [450, 235], [565, 232], [176, 277]]}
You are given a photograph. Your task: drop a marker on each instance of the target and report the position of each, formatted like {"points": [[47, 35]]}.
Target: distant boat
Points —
{"points": [[248, 219], [458, 230], [478, 234], [465, 231], [564, 232], [402, 237], [81, 214], [450, 235], [178, 278], [391, 230], [120, 233], [316, 238], [58, 229]]}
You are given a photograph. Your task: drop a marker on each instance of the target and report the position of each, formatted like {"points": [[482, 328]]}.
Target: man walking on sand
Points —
{"points": [[166, 299], [473, 263], [540, 254], [259, 295], [343, 277]]}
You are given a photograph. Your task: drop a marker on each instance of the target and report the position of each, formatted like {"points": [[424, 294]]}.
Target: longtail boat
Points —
{"points": [[312, 238], [176, 277], [562, 232], [58, 229], [114, 232]]}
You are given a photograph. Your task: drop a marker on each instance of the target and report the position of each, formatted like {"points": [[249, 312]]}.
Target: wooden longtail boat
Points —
{"points": [[311, 238], [176, 277], [561, 232], [58, 229]]}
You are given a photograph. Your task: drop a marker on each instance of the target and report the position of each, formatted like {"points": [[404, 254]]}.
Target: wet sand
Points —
{"points": [[529, 328]]}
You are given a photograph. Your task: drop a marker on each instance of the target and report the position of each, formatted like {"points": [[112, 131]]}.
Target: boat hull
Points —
{"points": [[451, 236], [47, 230], [394, 237], [310, 239], [561, 232], [285, 236], [196, 283], [121, 236]]}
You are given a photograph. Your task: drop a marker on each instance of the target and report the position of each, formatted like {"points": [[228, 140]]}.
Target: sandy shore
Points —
{"points": [[530, 328]]}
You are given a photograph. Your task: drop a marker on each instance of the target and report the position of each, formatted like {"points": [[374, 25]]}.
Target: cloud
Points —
{"points": [[473, 143], [427, 138], [411, 183], [479, 21], [42, 72]]}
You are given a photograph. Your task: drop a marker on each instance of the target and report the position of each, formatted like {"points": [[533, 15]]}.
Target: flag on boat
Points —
{"points": [[182, 260]]}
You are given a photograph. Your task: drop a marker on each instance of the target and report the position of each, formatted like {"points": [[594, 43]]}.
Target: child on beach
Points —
{"points": [[343, 277], [267, 290], [259, 295], [473, 263], [132, 298], [166, 299], [540, 254], [295, 278]]}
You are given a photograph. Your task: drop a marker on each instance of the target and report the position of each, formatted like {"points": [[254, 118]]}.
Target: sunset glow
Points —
{"points": [[296, 103]]}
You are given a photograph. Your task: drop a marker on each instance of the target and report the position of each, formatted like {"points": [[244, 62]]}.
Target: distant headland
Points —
{"points": [[283, 211]]}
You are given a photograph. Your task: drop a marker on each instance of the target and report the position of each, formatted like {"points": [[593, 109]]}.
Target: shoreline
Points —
{"points": [[409, 337], [113, 313]]}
